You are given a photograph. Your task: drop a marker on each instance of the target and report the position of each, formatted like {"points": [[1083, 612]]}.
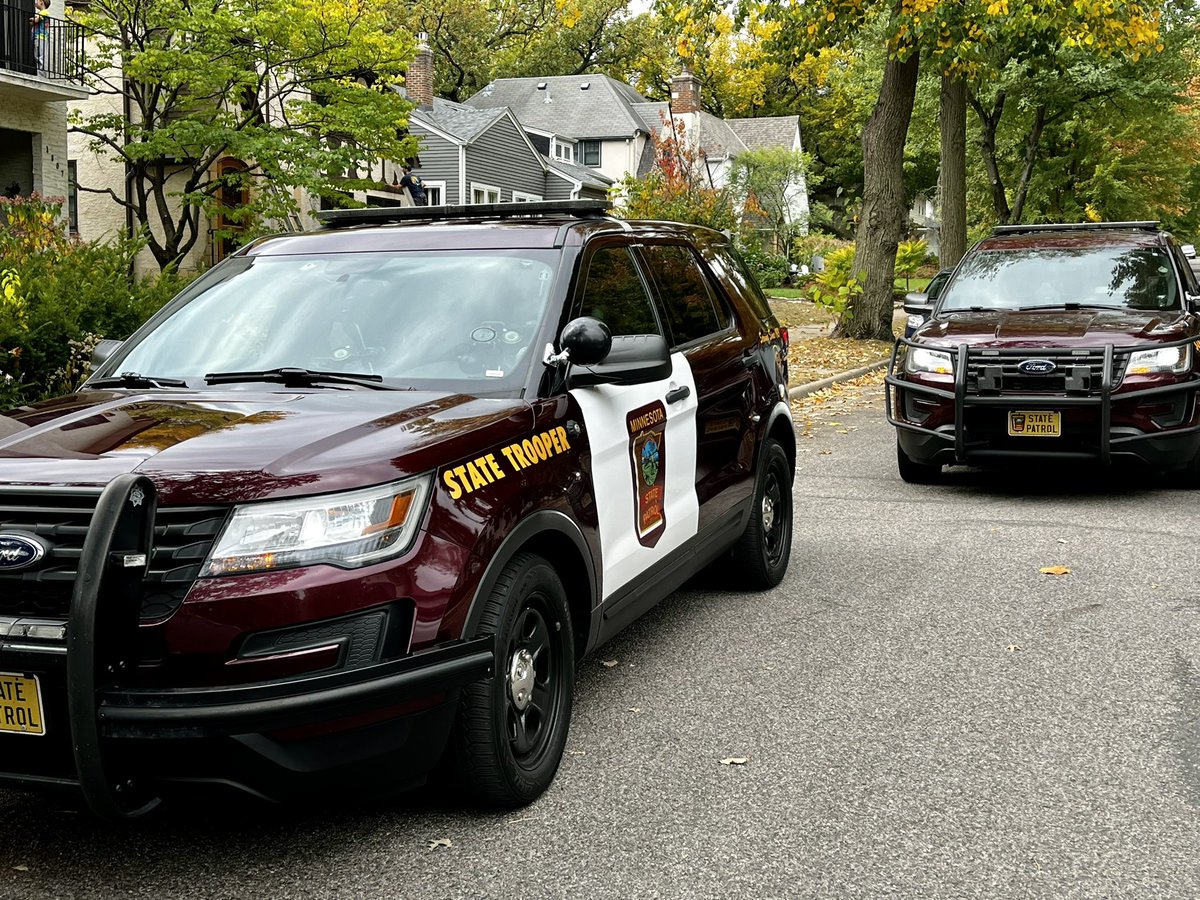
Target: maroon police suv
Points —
{"points": [[1060, 342], [358, 501]]}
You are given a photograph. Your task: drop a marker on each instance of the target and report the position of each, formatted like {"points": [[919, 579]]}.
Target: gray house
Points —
{"points": [[469, 155], [597, 122]]}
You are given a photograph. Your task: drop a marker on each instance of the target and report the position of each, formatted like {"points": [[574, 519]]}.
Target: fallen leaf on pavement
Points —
{"points": [[440, 842], [735, 760], [1012, 648], [1055, 570], [609, 663], [21, 868], [635, 709]]}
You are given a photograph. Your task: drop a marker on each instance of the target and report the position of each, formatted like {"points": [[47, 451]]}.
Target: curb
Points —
{"points": [[803, 390]]}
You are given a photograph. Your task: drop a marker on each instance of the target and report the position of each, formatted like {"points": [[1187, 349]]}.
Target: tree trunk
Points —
{"points": [[989, 124], [881, 222], [952, 172], [1032, 141]]}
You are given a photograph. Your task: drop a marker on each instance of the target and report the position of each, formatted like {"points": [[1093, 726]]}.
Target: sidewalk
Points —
{"points": [[800, 334]]}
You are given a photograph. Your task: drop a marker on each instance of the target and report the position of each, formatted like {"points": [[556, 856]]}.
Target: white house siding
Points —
{"points": [[46, 160], [619, 156], [502, 157]]}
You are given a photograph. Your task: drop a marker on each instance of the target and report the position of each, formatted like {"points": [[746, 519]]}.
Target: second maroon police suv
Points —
{"points": [[1055, 342], [359, 500]]}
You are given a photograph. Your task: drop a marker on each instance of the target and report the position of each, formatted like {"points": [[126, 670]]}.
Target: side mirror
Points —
{"points": [[587, 340], [102, 351], [633, 359], [917, 303]]}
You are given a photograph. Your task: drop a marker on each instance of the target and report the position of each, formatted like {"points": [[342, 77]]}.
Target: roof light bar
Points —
{"points": [[1076, 226], [579, 209]]}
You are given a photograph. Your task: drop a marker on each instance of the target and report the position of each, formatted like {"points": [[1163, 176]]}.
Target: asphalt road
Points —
{"points": [[925, 715]]}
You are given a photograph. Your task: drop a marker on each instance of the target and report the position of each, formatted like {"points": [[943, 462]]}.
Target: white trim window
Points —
{"points": [[435, 192], [564, 150], [522, 197], [484, 193]]}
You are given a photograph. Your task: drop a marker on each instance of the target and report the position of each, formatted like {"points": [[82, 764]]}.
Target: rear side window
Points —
{"points": [[692, 311], [728, 264], [613, 293]]}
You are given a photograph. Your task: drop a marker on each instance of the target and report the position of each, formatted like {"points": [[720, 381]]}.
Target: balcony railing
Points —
{"points": [[56, 53]]}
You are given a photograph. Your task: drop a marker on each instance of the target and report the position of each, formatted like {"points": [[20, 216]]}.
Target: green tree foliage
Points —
{"points": [[58, 296], [295, 89], [910, 256], [770, 180]]}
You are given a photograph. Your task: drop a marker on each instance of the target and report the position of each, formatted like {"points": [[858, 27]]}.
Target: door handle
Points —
{"points": [[680, 393]]}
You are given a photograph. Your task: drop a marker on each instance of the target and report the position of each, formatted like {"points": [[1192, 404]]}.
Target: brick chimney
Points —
{"points": [[685, 92], [419, 78]]}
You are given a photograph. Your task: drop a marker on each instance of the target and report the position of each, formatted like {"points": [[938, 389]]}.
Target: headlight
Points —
{"points": [[919, 359], [350, 529], [1165, 359]]}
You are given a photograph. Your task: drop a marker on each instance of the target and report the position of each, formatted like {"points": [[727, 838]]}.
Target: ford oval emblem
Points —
{"points": [[19, 551], [1036, 367]]}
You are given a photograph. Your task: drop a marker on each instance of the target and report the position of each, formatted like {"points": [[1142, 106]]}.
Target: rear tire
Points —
{"points": [[1189, 477], [762, 552], [511, 730], [914, 472]]}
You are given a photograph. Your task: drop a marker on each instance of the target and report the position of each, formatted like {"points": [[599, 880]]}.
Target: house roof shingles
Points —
{"points": [[769, 131], [604, 110]]}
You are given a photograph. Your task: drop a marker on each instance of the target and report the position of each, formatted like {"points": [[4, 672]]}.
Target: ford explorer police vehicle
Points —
{"points": [[359, 500]]}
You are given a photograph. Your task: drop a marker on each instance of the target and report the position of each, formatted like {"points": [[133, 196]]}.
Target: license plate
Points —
{"points": [[1041, 423], [21, 704]]}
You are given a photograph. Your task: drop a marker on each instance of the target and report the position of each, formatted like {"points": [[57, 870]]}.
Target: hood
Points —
{"points": [[232, 446], [1054, 328]]}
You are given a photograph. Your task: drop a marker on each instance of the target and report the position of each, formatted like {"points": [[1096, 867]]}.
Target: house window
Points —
{"points": [[484, 193], [522, 197], [435, 192], [590, 152], [563, 150], [73, 196]]}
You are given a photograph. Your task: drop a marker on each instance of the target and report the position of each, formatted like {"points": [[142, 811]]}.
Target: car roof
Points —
{"points": [[544, 225]]}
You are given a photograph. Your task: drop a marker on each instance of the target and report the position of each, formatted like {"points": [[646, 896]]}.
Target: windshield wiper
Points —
{"points": [[296, 377], [134, 380], [1068, 306]]}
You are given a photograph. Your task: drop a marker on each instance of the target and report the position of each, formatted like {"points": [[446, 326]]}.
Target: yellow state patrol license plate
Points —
{"points": [[21, 704], [1040, 423]]}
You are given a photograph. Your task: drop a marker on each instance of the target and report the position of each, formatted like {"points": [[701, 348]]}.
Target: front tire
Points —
{"points": [[914, 472], [763, 551], [511, 730]]}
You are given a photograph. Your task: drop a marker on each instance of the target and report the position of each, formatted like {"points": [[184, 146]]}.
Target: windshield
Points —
{"points": [[420, 319], [1051, 278]]}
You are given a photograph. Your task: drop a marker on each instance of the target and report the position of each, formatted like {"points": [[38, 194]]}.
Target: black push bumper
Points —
{"points": [[952, 444], [108, 716]]}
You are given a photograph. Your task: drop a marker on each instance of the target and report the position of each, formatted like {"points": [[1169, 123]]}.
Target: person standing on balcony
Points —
{"points": [[41, 27]]}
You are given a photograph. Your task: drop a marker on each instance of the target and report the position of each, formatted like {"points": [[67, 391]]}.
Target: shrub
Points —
{"points": [[59, 296], [814, 244], [770, 269], [910, 256], [835, 287]]}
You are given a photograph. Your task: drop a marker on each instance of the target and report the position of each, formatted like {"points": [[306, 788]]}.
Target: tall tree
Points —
{"points": [[292, 89], [954, 36]]}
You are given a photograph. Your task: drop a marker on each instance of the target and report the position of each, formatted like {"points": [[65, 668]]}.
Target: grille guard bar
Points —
{"points": [[962, 400]]}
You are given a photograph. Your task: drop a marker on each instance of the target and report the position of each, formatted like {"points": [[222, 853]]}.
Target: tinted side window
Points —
{"points": [[729, 264], [691, 310], [613, 293]]}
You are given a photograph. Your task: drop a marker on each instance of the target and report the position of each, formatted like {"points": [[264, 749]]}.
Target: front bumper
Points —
{"points": [[1103, 436], [120, 742]]}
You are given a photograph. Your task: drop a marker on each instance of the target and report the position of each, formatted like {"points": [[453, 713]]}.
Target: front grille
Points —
{"points": [[182, 538], [1075, 371]]}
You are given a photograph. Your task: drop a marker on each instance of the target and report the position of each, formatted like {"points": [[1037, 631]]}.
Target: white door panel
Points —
{"points": [[643, 470]]}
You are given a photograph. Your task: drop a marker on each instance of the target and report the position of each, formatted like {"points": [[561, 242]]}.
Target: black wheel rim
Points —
{"points": [[532, 702], [776, 513]]}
